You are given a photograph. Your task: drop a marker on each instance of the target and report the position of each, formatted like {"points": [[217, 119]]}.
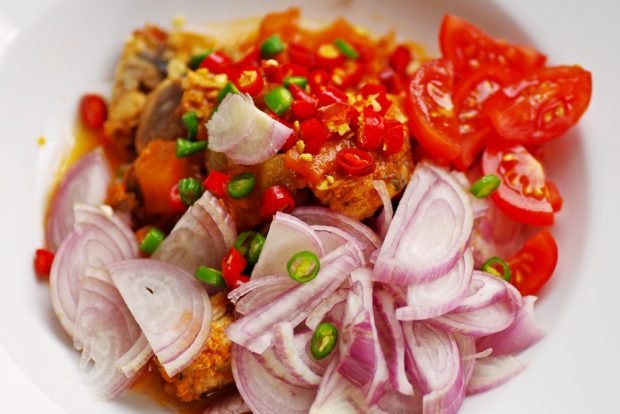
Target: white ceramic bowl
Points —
{"points": [[51, 51]]}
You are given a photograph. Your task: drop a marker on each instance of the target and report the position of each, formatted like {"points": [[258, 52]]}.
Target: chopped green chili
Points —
{"points": [[241, 185], [279, 100], [190, 190], [228, 88], [196, 60], [300, 81], [485, 186], [256, 246], [271, 46], [324, 340], [152, 240], [191, 124], [491, 265], [303, 266], [243, 242], [211, 276], [346, 49], [186, 147]]}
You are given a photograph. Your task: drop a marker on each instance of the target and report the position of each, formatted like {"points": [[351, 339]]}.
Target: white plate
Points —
{"points": [[52, 50]]}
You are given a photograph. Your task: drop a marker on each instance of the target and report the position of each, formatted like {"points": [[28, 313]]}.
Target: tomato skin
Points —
{"points": [[533, 265], [522, 192], [470, 97], [469, 48], [541, 106], [554, 196], [93, 111], [432, 119]]}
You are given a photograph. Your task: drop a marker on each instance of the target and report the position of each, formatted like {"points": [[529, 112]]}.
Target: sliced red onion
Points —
{"points": [[287, 236], [434, 361], [520, 335], [385, 217], [202, 236], [393, 402], [486, 289], [254, 331], [264, 393], [98, 239], [170, 306], [334, 237], [490, 314], [495, 234], [290, 354], [430, 299], [361, 358], [244, 133], [467, 351], [235, 295], [366, 238], [430, 229], [86, 182], [493, 371], [337, 395], [104, 332], [324, 307], [264, 295], [393, 341], [231, 403], [136, 357], [480, 206]]}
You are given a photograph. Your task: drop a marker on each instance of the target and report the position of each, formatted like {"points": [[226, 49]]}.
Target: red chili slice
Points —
{"points": [[330, 95], [372, 131], [276, 198], [400, 58], [216, 182], [394, 136], [233, 265], [93, 111], [314, 134], [355, 161], [248, 81], [217, 62], [43, 262]]}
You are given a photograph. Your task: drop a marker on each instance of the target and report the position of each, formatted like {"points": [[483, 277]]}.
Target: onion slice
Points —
{"points": [[99, 238], [86, 182], [493, 371], [333, 237], [231, 403], [244, 133], [169, 304], [324, 307], [201, 237], [264, 393], [337, 395], [386, 215], [430, 299], [288, 351], [367, 239], [254, 331], [430, 229], [287, 236], [520, 335]]}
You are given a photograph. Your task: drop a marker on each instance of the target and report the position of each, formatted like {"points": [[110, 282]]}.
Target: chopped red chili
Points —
{"points": [[328, 56], [372, 131], [217, 62], [318, 80], [330, 95], [93, 111], [300, 95], [176, 204], [355, 161], [248, 81], [250, 59], [233, 265], [301, 55], [216, 183], [400, 58], [314, 134], [302, 110], [276, 198], [376, 96], [394, 136], [43, 262]]}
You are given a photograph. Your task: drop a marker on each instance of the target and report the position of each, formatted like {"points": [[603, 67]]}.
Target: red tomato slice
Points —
{"points": [[470, 95], [432, 119], [522, 194], [469, 48], [533, 265], [541, 106]]}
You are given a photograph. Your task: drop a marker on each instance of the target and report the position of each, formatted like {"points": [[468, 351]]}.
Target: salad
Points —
{"points": [[311, 220]]}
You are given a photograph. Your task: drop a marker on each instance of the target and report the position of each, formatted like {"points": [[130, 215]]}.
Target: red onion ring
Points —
{"points": [[85, 182], [430, 229], [333, 237], [386, 215], [319, 313], [493, 371], [289, 353]]}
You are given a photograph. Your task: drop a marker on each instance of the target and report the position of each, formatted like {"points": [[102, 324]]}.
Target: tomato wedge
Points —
{"points": [[541, 106], [469, 48], [470, 95], [533, 265], [432, 119], [522, 194]]}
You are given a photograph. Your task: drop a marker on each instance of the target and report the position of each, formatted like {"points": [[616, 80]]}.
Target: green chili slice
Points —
{"points": [[152, 240], [346, 49], [186, 147], [300, 81], [190, 120], [256, 246], [491, 266], [190, 190], [324, 340], [211, 277], [271, 46], [243, 242], [228, 88], [485, 186], [279, 100], [196, 60], [303, 266], [241, 185]]}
